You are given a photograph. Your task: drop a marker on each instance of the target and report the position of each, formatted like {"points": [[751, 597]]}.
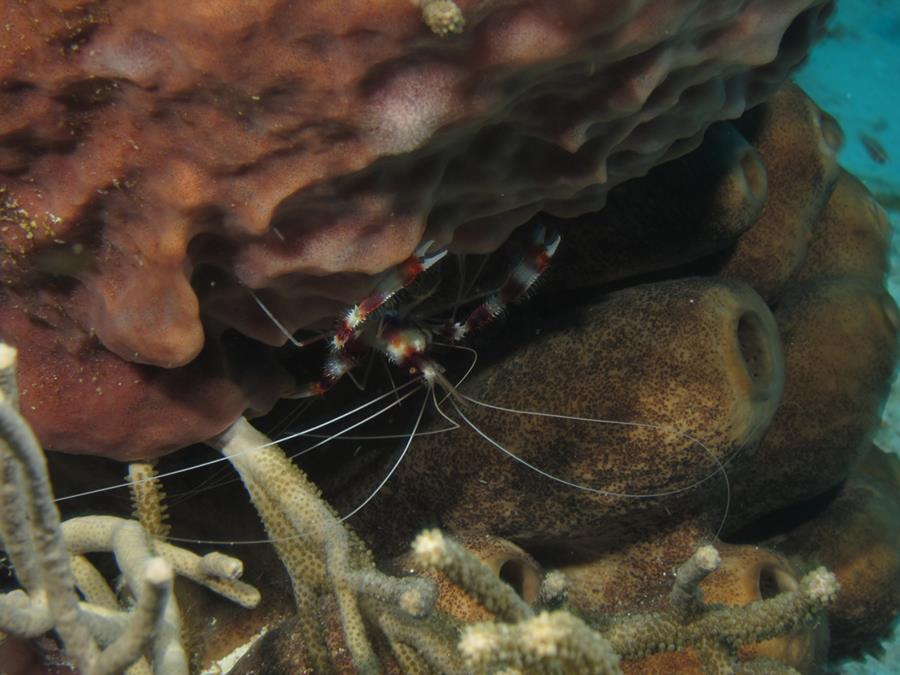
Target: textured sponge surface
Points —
{"points": [[159, 158]]}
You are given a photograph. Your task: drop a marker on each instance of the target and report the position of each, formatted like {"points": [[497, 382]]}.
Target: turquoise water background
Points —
{"points": [[855, 75]]}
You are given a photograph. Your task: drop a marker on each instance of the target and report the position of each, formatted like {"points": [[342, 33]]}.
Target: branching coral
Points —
{"points": [[320, 554], [325, 559], [561, 642], [98, 635]]}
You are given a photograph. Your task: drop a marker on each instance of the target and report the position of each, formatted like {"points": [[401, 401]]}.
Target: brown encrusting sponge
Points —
{"points": [[159, 159]]}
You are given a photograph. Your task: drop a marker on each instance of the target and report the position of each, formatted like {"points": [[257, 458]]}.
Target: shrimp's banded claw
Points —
{"points": [[394, 280], [532, 266], [419, 262]]}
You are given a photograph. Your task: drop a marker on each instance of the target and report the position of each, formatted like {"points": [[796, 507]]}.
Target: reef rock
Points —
{"points": [[690, 399], [674, 404]]}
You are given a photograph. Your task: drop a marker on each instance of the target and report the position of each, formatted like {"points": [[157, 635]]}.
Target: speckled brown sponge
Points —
{"points": [[157, 158], [698, 358]]}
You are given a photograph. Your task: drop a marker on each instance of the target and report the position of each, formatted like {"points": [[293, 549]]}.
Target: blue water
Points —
{"points": [[855, 75]]}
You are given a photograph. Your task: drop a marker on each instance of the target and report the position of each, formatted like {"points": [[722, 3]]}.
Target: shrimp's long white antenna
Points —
{"points": [[393, 468], [369, 437], [356, 383], [284, 331], [437, 406], [454, 425], [213, 542], [448, 388], [292, 416], [323, 441], [720, 467], [467, 294], [340, 433], [430, 432], [218, 460], [461, 288], [389, 374]]}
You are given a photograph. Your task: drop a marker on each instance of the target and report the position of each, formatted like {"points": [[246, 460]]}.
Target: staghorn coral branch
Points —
{"points": [[126, 634], [433, 550], [143, 623], [133, 550], [415, 596], [91, 584], [24, 618], [715, 659], [764, 619], [15, 527], [95, 590], [243, 445], [640, 635], [18, 444], [549, 642], [147, 498], [414, 643], [132, 547], [9, 392], [218, 572], [320, 553], [20, 617], [686, 600], [305, 569]]}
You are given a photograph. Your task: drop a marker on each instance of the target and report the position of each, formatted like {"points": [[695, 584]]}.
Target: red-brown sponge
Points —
{"points": [[297, 148]]}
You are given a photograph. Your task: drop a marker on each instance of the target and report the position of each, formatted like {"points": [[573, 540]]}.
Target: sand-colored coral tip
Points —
{"points": [[708, 558], [430, 548], [822, 585], [9, 391], [478, 642], [443, 17], [8, 355], [158, 572]]}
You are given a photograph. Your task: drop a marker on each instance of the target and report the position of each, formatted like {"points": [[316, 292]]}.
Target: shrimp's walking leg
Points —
{"points": [[338, 364]]}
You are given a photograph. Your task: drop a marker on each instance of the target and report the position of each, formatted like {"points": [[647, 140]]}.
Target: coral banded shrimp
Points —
{"points": [[622, 456]]}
